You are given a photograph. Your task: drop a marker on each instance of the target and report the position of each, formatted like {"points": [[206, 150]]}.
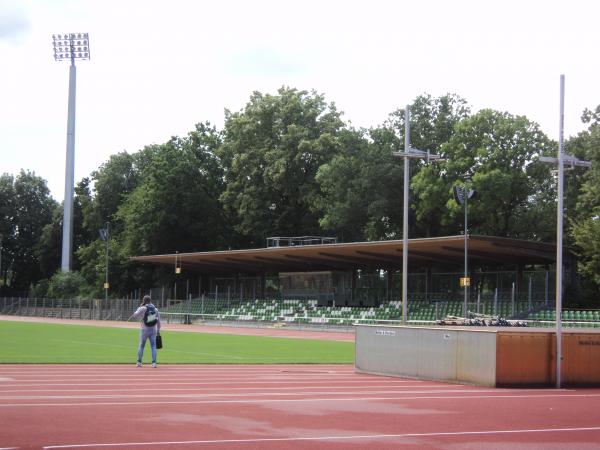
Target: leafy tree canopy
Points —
{"points": [[271, 152]]}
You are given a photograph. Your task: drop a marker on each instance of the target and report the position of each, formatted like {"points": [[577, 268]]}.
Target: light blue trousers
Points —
{"points": [[147, 333]]}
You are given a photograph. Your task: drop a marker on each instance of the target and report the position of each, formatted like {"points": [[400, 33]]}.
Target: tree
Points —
{"points": [[361, 197], [49, 245], [113, 181], [363, 185], [66, 285], [176, 206], [271, 153], [33, 208], [585, 227], [7, 227], [433, 123], [498, 152]]}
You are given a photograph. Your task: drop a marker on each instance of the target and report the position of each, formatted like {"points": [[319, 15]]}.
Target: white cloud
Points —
{"points": [[158, 67], [14, 22]]}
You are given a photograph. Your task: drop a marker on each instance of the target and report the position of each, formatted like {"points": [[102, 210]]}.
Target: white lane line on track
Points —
{"points": [[333, 438], [226, 395], [20, 368], [219, 380], [297, 400], [42, 375], [229, 389], [198, 367], [214, 368], [219, 383], [125, 365]]}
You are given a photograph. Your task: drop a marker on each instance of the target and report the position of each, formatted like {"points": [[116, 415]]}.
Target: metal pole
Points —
{"points": [[1, 277], [405, 217], [512, 300], [496, 301], [106, 270], [546, 289], [529, 294], [67, 237], [466, 197], [559, 233]]}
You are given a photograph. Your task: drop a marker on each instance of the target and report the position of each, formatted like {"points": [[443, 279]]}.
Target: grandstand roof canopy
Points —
{"points": [[439, 251]]}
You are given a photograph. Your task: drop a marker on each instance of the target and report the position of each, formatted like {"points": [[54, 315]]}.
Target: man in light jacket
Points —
{"points": [[150, 327]]}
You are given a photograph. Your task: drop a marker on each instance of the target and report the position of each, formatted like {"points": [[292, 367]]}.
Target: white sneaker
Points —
{"points": [[154, 365], [139, 364]]}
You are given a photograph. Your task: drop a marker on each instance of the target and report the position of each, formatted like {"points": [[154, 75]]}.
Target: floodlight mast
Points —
{"points": [[70, 46], [573, 161], [408, 153]]}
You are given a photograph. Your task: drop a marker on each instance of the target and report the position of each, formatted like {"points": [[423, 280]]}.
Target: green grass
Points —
{"points": [[22, 342]]}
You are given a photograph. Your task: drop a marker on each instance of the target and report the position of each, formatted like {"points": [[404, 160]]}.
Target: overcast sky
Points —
{"points": [[159, 67]]}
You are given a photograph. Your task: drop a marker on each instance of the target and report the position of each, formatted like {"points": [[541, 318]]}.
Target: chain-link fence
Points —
{"points": [[88, 309]]}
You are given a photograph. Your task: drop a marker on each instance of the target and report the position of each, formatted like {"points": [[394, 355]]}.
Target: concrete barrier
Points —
{"points": [[480, 356]]}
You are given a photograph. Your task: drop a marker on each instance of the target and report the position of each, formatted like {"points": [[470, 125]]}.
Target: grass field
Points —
{"points": [[53, 343]]}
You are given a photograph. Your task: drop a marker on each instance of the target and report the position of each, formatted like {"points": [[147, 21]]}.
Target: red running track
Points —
{"points": [[280, 407]]}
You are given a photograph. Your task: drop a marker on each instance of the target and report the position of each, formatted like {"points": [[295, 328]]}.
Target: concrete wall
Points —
{"points": [[427, 353], [486, 357]]}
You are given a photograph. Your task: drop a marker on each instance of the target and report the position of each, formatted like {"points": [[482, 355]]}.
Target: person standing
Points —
{"points": [[150, 327]]}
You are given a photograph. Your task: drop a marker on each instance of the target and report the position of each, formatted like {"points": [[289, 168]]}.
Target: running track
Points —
{"points": [[280, 407]]}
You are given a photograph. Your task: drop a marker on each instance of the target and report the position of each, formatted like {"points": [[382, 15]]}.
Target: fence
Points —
{"points": [[298, 312], [93, 309]]}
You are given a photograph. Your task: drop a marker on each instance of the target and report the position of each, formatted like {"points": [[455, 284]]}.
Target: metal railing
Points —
{"points": [[289, 313]]}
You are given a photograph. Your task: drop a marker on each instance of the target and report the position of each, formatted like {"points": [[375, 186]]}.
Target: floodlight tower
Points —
{"points": [[70, 46], [409, 153]]}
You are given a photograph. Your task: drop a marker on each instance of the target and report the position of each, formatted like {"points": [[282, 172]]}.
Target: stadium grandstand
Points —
{"points": [[311, 281]]}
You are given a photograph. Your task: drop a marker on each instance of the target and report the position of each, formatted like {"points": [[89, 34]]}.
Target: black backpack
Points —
{"points": [[150, 316]]}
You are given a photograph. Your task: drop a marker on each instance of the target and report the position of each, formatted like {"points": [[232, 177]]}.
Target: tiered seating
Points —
{"points": [[196, 306], [420, 312], [571, 318]]}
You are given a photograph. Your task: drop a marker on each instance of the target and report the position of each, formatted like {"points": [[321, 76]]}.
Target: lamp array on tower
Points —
{"points": [[71, 46]]}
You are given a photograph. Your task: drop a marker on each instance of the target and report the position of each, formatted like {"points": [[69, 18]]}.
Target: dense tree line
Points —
{"points": [[288, 164]]}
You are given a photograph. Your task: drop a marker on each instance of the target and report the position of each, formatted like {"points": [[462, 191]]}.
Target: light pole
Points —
{"points": [[572, 161], [105, 236], [408, 153], [70, 46], [1, 277], [462, 196]]}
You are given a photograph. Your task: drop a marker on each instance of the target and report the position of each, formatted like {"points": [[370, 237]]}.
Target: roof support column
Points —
{"points": [[428, 282], [353, 286]]}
